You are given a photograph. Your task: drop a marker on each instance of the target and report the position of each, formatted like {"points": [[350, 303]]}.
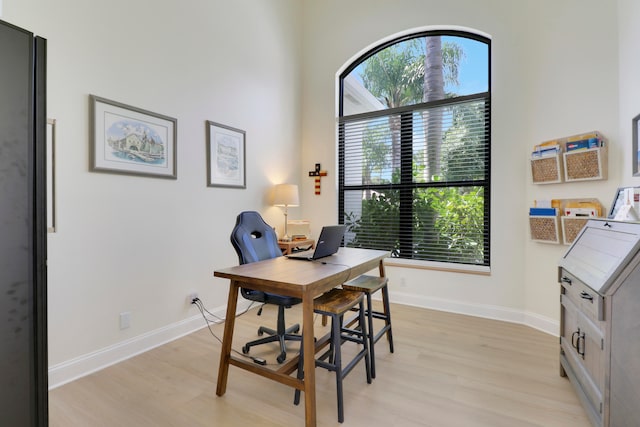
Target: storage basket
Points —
{"points": [[546, 170], [544, 229], [585, 165], [571, 227]]}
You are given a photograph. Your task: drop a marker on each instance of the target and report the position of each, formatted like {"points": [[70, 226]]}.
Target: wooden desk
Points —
{"points": [[287, 247], [302, 279]]}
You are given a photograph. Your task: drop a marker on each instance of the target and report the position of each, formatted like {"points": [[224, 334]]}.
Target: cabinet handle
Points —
{"points": [[565, 279], [587, 296], [574, 342], [583, 339]]}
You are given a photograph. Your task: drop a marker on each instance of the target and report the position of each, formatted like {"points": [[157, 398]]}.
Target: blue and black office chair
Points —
{"points": [[254, 240]]}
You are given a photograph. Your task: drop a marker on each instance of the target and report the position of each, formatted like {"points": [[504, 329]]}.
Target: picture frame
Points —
{"points": [[226, 156], [619, 200], [131, 141], [635, 155]]}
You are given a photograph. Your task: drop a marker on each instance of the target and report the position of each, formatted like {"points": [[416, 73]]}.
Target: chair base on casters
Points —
{"points": [[335, 304], [280, 335]]}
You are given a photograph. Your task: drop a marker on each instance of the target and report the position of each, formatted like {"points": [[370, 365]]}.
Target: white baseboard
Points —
{"points": [[79, 367], [542, 323], [73, 369], [536, 321]]}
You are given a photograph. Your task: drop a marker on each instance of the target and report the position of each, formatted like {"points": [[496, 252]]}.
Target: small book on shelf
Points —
{"points": [[543, 211]]}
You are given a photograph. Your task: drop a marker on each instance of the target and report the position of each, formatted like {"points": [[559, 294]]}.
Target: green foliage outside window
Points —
{"points": [[447, 224]]}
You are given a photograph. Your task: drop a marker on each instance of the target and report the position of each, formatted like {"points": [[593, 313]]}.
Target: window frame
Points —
{"points": [[407, 185]]}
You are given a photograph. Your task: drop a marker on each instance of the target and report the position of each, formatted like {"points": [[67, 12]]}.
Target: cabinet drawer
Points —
{"points": [[588, 300]]}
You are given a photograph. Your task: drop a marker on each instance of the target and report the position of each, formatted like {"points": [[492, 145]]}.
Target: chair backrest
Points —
{"points": [[254, 239]]}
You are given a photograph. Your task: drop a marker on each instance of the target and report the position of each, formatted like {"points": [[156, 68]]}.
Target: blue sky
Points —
{"points": [[472, 71]]}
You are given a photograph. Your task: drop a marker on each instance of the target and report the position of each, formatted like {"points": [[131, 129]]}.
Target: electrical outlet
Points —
{"points": [[125, 319], [191, 297]]}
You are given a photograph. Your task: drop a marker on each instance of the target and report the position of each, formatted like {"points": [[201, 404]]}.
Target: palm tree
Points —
{"points": [[408, 73], [433, 91], [390, 76]]}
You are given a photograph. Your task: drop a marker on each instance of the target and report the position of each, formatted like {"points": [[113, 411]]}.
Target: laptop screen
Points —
{"points": [[328, 243]]}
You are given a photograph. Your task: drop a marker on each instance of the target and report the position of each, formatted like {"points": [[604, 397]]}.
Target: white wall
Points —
{"points": [[269, 67], [572, 88], [629, 84], [553, 74], [140, 245]]}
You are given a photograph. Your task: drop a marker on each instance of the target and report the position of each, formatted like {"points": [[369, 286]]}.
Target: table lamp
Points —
{"points": [[286, 195]]}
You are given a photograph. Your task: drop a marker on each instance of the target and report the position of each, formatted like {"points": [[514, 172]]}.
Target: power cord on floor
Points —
{"points": [[200, 305]]}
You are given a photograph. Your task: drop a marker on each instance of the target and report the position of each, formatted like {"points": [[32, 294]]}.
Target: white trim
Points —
{"points": [[440, 266], [542, 323], [505, 314], [404, 33], [73, 369], [84, 365]]}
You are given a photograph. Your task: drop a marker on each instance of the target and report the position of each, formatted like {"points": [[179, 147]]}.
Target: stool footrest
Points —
{"points": [[326, 365], [380, 333], [352, 364], [357, 340], [377, 315]]}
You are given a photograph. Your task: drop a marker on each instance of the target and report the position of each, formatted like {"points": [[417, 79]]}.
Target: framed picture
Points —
{"points": [[624, 196], [635, 155], [131, 141], [225, 156]]}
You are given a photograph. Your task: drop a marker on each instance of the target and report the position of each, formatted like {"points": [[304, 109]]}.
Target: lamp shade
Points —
{"points": [[286, 195]]}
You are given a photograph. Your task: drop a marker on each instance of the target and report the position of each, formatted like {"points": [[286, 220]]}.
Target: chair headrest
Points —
{"points": [[254, 239]]}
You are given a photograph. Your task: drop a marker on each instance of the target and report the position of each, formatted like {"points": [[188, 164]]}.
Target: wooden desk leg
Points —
{"points": [[225, 353], [309, 361]]}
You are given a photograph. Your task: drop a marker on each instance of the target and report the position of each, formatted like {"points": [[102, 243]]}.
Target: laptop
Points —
{"points": [[328, 244]]}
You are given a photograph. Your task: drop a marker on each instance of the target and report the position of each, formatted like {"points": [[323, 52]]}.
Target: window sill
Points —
{"points": [[438, 266]]}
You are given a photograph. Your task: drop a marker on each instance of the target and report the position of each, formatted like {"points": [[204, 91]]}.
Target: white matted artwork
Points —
{"points": [[129, 140], [626, 204], [226, 160]]}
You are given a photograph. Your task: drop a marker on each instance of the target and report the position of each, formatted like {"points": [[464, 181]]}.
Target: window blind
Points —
{"points": [[415, 180]]}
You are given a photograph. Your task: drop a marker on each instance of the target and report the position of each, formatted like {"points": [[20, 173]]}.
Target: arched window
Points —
{"points": [[414, 148]]}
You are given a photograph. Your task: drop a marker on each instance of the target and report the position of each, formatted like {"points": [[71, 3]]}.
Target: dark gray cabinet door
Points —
{"points": [[23, 361]]}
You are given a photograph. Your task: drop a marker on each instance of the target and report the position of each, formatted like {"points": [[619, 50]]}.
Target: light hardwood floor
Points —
{"points": [[448, 370]]}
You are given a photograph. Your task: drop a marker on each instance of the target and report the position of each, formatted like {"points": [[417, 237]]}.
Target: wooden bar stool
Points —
{"points": [[335, 304], [370, 285]]}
